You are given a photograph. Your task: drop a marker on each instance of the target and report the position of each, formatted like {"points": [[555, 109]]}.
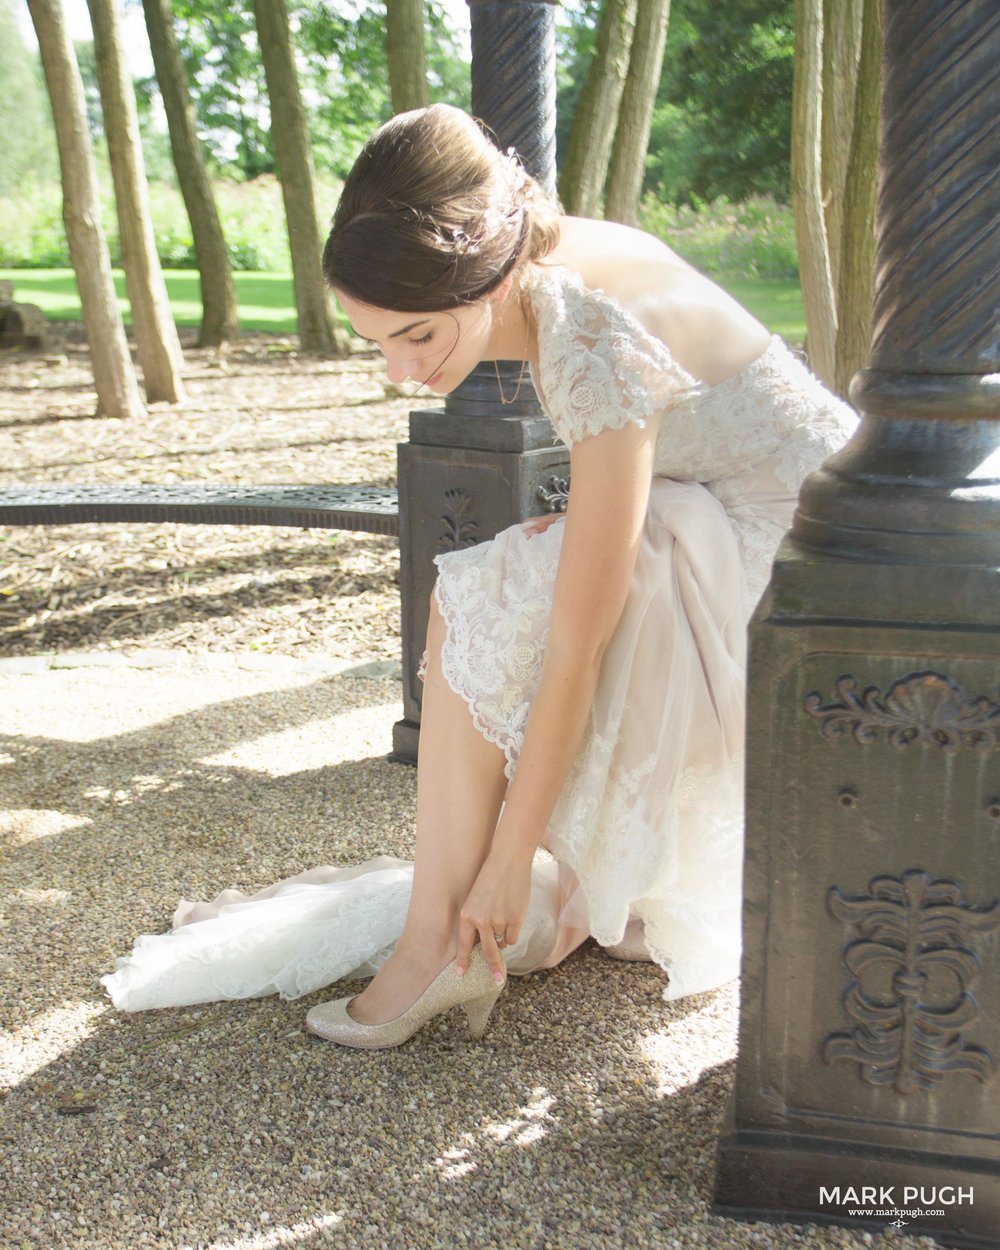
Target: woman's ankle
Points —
{"points": [[430, 946]]}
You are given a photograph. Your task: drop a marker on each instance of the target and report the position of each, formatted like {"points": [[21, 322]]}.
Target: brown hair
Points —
{"points": [[434, 215]]}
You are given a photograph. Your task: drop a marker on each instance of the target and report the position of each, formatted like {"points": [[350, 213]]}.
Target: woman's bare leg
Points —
{"points": [[460, 788]]}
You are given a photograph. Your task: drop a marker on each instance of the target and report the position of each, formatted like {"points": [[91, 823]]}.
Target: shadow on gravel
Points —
{"points": [[222, 1125]]}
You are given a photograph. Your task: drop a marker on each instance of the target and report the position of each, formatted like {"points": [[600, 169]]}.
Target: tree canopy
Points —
{"points": [[722, 121], [24, 110]]}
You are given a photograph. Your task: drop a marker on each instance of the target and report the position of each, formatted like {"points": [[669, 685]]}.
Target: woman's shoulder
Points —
{"points": [[705, 331]]}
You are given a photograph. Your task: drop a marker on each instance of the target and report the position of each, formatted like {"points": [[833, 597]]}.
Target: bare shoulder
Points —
{"points": [[707, 332]]}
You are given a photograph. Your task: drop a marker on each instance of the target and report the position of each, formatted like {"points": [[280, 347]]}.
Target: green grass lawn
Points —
{"points": [[777, 302], [267, 302]]}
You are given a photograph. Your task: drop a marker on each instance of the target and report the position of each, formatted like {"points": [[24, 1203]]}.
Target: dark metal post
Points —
{"points": [[478, 466], [867, 1078]]}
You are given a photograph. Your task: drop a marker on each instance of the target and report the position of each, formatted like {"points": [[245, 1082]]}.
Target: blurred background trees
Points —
{"points": [[672, 114]]}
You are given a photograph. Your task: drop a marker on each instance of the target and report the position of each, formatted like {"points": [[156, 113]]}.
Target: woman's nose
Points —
{"points": [[398, 366]]}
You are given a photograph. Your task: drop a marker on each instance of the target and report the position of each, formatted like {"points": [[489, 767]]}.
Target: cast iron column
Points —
{"points": [[478, 466], [867, 1077]]}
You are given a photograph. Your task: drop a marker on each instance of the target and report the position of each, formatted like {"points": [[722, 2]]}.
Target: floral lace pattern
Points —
{"points": [[496, 628], [773, 417], [598, 367], [650, 817]]}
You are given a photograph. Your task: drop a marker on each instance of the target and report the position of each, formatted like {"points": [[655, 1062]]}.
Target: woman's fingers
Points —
{"points": [[492, 938], [467, 934], [488, 939], [539, 524]]}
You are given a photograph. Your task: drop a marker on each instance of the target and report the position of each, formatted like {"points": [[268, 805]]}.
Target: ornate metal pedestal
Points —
{"points": [[867, 1083], [478, 466]]}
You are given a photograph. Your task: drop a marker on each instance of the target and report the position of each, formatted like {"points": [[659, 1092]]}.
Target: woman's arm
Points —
{"points": [[611, 475]]}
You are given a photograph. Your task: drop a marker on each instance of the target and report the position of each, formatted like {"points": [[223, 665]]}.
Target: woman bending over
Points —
{"points": [[584, 675], [582, 726]]}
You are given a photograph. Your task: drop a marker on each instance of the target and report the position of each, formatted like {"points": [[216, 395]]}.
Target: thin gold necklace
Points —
{"points": [[524, 364]]}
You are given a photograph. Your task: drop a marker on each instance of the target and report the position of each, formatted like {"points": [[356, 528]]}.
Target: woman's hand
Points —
{"points": [[539, 524], [494, 910]]}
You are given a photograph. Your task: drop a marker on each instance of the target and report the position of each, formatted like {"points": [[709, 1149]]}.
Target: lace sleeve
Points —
{"points": [[598, 366]]}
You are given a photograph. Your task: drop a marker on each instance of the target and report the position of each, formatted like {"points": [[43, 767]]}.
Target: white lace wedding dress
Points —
{"points": [[646, 836]]}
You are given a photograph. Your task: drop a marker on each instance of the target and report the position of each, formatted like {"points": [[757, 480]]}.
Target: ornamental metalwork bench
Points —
{"points": [[371, 509]]}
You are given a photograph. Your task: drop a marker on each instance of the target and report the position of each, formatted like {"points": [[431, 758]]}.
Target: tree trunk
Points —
{"points": [[855, 289], [114, 376], [218, 294], [589, 151], [317, 325], [841, 54], [807, 194], [635, 116], [404, 50], [156, 340]]}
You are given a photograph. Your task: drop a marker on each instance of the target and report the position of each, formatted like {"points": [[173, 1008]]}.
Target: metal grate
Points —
{"points": [[373, 509]]}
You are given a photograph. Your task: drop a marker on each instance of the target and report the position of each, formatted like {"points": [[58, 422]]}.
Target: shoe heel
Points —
{"points": [[477, 1012]]}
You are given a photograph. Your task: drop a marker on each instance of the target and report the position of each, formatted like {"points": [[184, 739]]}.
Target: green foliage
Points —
{"points": [[86, 59], [722, 122], [753, 239], [29, 147], [218, 44], [31, 227], [253, 221], [722, 126], [267, 300], [576, 43], [345, 77], [448, 71]]}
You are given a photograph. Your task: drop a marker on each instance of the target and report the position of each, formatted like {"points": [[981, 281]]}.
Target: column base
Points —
{"points": [[803, 1179], [405, 738]]}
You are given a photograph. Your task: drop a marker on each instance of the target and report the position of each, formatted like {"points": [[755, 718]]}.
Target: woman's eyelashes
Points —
{"points": [[421, 342]]}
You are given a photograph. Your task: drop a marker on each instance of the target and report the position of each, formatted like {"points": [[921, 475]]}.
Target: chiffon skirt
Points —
{"points": [[648, 827], [645, 842]]}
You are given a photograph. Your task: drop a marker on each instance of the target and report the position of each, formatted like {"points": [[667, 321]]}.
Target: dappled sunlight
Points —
{"points": [[356, 734], [281, 1235], [41, 897], [19, 826], [145, 786], [139, 786], [30, 1047], [680, 1052], [81, 705], [526, 1128]]}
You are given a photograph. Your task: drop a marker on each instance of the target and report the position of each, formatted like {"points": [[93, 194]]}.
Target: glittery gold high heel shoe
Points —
{"points": [[476, 993]]}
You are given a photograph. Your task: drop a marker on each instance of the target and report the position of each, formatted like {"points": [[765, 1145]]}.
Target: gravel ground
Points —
{"points": [[585, 1120], [256, 413]]}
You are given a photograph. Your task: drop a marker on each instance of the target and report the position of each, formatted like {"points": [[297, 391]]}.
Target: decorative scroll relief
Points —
{"points": [[554, 494], [460, 531], [910, 998], [920, 707]]}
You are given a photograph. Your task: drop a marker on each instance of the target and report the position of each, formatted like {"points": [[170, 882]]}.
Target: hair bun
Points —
{"points": [[434, 215]]}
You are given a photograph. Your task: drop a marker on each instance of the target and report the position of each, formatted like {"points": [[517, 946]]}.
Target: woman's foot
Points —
{"points": [[476, 992], [400, 981]]}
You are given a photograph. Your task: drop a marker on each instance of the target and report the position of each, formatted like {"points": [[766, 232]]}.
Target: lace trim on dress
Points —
{"points": [[756, 415], [496, 629], [601, 368]]}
